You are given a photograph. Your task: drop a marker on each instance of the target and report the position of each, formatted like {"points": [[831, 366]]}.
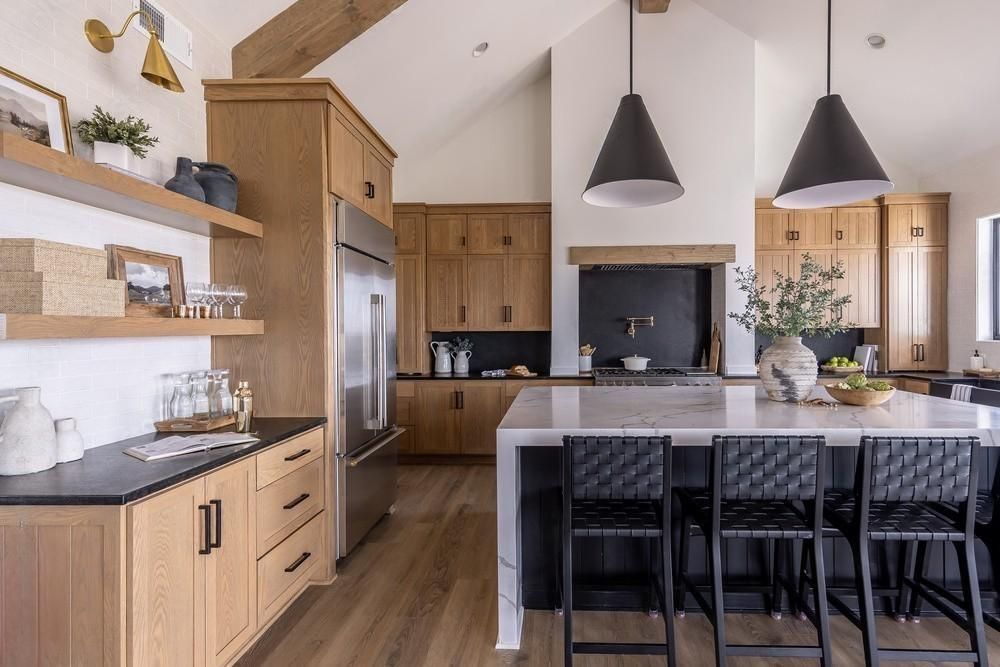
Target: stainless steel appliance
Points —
{"points": [[655, 377], [365, 392]]}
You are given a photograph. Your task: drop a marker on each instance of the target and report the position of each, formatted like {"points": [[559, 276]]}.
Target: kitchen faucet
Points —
{"points": [[634, 322]]}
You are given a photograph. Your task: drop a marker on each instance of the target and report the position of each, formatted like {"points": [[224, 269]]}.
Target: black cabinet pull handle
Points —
{"points": [[295, 502], [207, 520], [840, 235], [298, 561], [369, 190], [217, 543], [461, 400], [463, 314], [462, 242], [297, 455]]}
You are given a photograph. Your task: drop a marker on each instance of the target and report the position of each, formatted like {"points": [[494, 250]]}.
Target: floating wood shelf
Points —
{"points": [[35, 167], [36, 327]]}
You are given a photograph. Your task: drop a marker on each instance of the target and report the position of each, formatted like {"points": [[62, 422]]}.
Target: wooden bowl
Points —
{"points": [[842, 370], [863, 398]]}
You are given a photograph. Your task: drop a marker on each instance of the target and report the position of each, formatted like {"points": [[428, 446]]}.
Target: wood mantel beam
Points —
{"points": [[653, 6], [304, 35]]}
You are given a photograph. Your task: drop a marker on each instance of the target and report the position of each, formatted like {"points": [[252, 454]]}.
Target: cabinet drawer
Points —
{"points": [[287, 504], [291, 455], [284, 572]]}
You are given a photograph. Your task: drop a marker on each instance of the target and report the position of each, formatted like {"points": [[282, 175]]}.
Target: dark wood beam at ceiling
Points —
{"points": [[304, 35], [653, 6]]}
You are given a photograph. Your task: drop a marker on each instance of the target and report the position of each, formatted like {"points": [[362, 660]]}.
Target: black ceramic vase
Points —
{"points": [[183, 182], [219, 184]]}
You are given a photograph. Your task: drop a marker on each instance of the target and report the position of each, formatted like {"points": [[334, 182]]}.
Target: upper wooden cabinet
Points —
{"points": [[814, 229], [410, 232], [917, 224], [487, 233], [447, 234], [378, 186], [529, 233], [446, 293], [773, 229], [858, 227], [528, 292], [348, 153], [487, 300], [411, 290]]}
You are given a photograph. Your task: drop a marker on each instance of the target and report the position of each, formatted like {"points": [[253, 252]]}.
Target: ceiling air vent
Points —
{"points": [[175, 37]]}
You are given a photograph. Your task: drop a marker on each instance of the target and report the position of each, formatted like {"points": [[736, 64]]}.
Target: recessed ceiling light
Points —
{"points": [[875, 40], [480, 49]]}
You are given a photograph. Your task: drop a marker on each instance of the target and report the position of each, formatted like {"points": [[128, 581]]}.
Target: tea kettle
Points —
{"points": [[442, 357]]}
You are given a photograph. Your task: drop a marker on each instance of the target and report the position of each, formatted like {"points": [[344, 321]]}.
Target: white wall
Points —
{"points": [[696, 75], [503, 156], [974, 196], [112, 386]]}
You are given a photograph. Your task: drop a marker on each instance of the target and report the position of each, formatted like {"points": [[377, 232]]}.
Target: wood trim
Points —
{"points": [[38, 327], [768, 203], [653, 6], [529, 207], [306, 34], [916, 198], [409, 208], [654, 254]]}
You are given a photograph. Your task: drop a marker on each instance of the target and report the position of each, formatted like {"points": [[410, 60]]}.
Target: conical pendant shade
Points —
{"points": [[157, 68], [633, 169]]}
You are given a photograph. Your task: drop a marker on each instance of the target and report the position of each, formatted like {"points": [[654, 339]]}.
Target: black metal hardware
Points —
{"points": [[207, 511], [508, 313], [840, 235], [463, 314], [295, 502], [916, 352], [369, 190], [789, 235], [461, 400], [217, 543], [921, 229], [298, 561], [914, 232], [463, 241], [297, 455], [923, 357], [373, 191], [796, 236]]}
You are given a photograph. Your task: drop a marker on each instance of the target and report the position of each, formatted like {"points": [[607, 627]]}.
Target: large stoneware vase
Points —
{"points": [[27, 435], [788, 370]]}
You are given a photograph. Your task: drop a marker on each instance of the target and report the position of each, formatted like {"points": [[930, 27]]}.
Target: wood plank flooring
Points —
{"points": [[421, 591]]}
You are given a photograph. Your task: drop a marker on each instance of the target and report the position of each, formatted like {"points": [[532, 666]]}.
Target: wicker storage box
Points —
{"points": [[36, 255], [36, 293]]}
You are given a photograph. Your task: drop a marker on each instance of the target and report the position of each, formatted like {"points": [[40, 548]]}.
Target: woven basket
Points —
{"points": [[34, 293], [36, 255], [862, 398]]}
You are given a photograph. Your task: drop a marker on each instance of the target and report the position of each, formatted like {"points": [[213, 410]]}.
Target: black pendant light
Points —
{"points": [[833, 164], [632, 169]]}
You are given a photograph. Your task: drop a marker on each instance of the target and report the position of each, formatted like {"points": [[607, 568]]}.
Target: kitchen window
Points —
{"points": [[995, 276]]}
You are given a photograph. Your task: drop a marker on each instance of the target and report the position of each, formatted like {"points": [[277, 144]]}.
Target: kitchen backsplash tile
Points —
{"points": [[503, 349]]}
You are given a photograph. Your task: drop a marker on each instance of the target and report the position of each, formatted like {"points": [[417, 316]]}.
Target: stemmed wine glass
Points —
{"points": [[236, 295], [216, 297], [197, 293]]}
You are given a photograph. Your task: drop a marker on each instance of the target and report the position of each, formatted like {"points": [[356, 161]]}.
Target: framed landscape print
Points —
{"points": [[34, 112], [154, 281]]}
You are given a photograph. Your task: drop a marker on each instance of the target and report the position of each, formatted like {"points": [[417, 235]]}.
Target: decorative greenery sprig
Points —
{"points": [[132, 132], [807, 305], [460, 344]]}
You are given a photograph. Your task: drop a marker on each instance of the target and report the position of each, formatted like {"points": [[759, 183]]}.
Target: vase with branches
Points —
{"points": [[808, 304], [116, 141]]}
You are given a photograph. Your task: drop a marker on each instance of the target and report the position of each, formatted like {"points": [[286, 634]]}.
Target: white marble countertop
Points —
{"points": [[692, 415]]}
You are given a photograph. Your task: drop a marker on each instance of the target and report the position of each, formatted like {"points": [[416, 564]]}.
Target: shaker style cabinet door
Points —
{"points": [[446, 295], [378, 187], [487, 233], [858, 227], [409, 228], [347, 160], [446, 234], [482, 409], [529, 233], [529, 292], [902, 309], [931, 315], [410, 308], [863, 283], [487, 310], [815, 229], [439, 423], [773, 229]]}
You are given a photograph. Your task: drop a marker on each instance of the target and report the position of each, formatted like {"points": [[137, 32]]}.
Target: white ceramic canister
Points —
{"points": [[69, 442], [27, 435]]}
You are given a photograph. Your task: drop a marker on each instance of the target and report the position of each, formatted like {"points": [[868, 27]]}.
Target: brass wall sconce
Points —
{"points": [[156, 68]]}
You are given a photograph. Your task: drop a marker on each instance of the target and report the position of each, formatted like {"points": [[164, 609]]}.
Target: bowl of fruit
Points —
{"points": [[841, 366], [857, 389]]}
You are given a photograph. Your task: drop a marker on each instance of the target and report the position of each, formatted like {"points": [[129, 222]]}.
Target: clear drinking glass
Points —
{"points": [[225, 395], [216, 297], [196, 294], [181, 404], [200, 397], [236, 295]]}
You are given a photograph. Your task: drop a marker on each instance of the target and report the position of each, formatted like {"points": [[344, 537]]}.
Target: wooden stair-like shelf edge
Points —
{"points": [[38, 327], [35, 167]]}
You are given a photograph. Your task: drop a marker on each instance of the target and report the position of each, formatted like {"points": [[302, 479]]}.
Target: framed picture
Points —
{"points": [[34, 112], [155, 281]]}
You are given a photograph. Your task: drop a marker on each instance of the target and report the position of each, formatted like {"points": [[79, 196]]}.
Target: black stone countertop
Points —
{"points": [[477, 376], [107, 476]]}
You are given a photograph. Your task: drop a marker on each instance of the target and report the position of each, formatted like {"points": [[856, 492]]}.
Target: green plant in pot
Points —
{"points": [[115, 141], [805, 305]]}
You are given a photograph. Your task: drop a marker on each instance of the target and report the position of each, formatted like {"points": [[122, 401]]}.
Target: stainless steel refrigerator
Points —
{"points": [[366, 430]]}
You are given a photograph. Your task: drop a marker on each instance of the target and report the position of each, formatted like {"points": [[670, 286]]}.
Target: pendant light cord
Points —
{"points": [[829, 34], [631, 13]]}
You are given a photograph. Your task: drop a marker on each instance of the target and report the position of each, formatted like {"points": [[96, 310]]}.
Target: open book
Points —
{"points": [[178, 445]]}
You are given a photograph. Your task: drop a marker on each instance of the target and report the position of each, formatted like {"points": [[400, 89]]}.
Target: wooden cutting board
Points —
{"points": [[715, 349]]}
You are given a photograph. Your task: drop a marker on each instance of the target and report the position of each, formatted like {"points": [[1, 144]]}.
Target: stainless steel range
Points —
{"points": [[655, 377]]}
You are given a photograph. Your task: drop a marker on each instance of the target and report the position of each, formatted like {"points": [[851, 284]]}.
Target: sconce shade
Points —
{"points": [[157, 68]]}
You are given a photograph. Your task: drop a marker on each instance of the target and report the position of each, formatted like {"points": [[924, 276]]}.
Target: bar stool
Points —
{"points": [[762, 487], [617, 487], [897, 483]]}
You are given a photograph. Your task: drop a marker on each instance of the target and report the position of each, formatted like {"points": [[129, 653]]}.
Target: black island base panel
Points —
{"points": [[610, 573]]}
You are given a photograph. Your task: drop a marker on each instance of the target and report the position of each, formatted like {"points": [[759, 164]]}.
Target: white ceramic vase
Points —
{"points": [[69, 442], [114, 154], [27, 435], [788, 370], [461, 358]]}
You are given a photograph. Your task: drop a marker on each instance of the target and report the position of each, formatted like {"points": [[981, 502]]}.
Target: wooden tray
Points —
{"points": [[186, 425]]}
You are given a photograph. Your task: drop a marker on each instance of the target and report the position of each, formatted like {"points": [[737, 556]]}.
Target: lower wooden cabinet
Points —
{"points": [[438, 422]]}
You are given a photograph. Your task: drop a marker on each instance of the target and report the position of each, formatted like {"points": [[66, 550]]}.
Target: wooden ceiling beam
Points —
{"points": [[653, 6], [304, 35]]}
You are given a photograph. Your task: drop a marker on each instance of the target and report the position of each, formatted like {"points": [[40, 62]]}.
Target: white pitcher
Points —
{"points": [[461, 358], [27, 435], [442, 357]]}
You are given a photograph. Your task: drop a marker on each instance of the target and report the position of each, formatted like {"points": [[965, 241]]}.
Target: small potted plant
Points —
{"points": [[116, 141], [806, 305]]}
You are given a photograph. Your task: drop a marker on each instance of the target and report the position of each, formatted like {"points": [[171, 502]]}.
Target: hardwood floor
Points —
{"points": [[421, 591]]}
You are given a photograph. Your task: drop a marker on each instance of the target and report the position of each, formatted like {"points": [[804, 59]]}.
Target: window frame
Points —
{"points": [[995, 277]]}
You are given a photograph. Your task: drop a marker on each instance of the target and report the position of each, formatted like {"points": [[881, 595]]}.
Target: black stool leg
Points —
{"points": [[819, 600], [668, 599], [920, 573], [682, 565], [776, 590], [807, 550], [654, 605], [907, 568], [718, 604], [863, 582], [973, 603], [567, 596]]}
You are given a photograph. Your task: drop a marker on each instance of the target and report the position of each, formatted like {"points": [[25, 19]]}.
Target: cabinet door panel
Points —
{"points": [[858, 227], [529, 292], [231, 569], [768, 263], [482, 409], [815, 229], [902, 276], [446, 304], [773, 229], [530, 233], [932, 308], [378, 176], [932, 220], [900, 225], [439, 428], [166, 579], [347, 160], [446, 234], [411, 290], [485, 296], [409, 228], [862, 282], [486, 233]]}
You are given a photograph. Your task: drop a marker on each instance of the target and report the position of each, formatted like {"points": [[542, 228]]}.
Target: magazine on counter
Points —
{"points": [[178, 445]]}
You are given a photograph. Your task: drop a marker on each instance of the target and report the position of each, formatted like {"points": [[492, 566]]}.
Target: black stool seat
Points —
{"points": [[896, 522], [617, 518], [984, 509], [753, 519]]}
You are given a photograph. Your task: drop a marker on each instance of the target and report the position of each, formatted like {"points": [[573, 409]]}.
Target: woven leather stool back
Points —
{"points": [[907, 469], [615, 467], [768, 467]]}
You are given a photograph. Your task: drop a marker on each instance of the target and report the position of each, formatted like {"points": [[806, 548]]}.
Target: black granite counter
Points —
{"points": [[107, 476], [477, 376]]}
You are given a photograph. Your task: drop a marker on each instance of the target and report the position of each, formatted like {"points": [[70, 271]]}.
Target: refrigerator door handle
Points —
{"points": [[375, 388], [354, 461], [382, 364]]}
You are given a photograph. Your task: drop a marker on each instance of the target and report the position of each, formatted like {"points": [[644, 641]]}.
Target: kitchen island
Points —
{"points": [[529, 437]]}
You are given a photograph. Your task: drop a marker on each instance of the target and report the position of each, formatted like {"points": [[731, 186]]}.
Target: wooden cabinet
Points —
{"points": [[446, 292], [773, 229], [529, 233], [411, 290], [917, 224], [487, 233], [487, 309], [861, 281], [378, 183], [348, 153], [528, 292], [438, 420], [858, 227], [447, 234], [814, 229], [482, 406], [410, 229]]}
